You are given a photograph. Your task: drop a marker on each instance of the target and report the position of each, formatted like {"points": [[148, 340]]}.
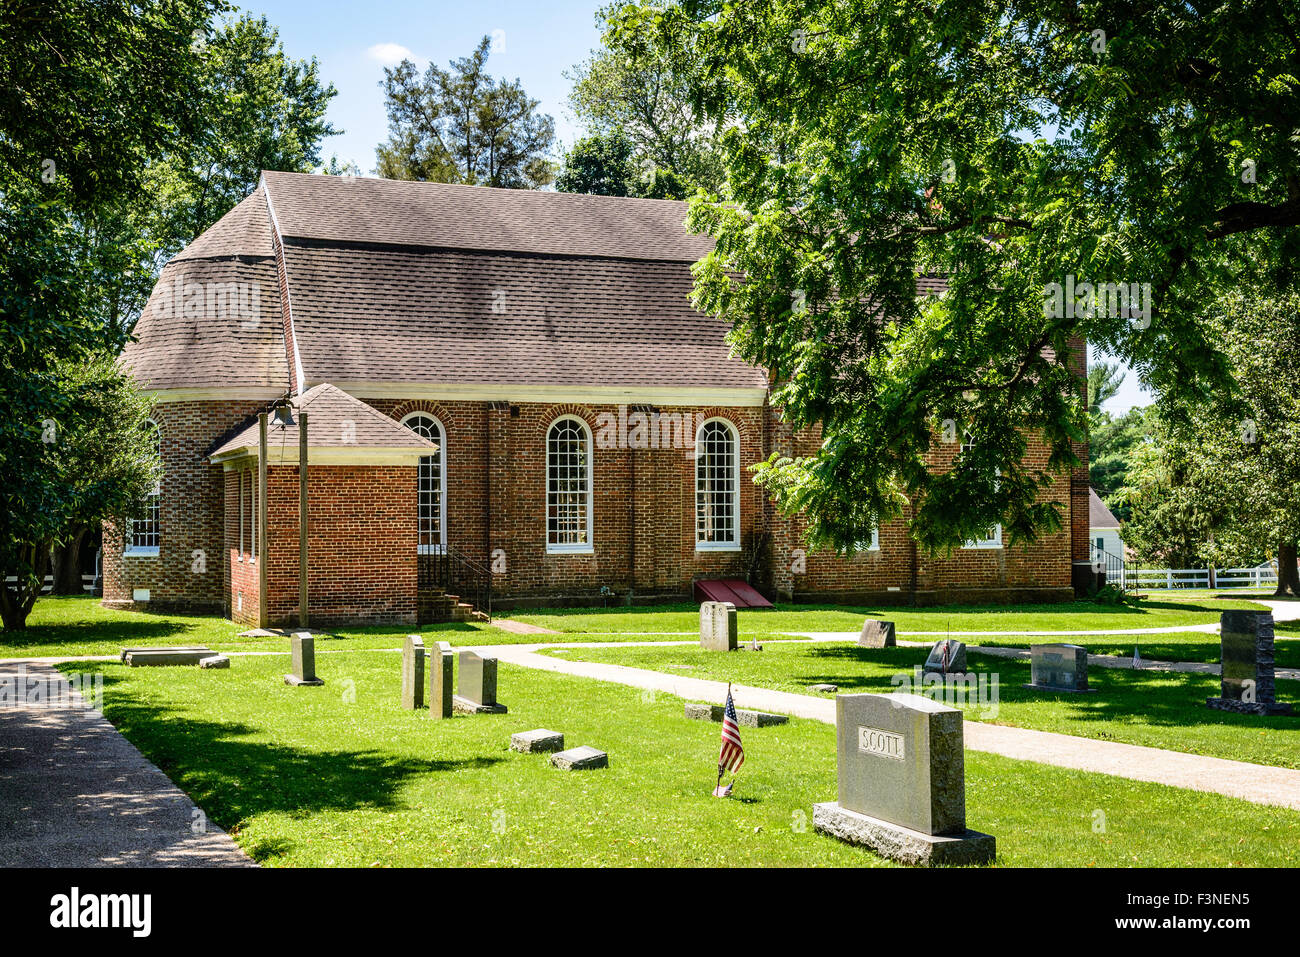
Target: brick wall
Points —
{"points": [[364, 541], [190, 516], [496, 499]]}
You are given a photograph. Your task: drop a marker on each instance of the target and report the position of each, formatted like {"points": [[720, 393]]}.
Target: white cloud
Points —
{"points": [[390, 54]]}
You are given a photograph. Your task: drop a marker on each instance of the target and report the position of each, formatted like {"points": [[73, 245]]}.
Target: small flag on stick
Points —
{"points": [[732, 755]]}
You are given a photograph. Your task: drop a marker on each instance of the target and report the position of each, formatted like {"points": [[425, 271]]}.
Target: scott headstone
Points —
{"points": [[901, 781], [1247, 684]]}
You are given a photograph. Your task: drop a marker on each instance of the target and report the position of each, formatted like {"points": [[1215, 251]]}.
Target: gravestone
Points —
{"points": [[170, 649], [580, 759], [441, 693], [947, 657], [1246, 685], [164, 657], [215, 661], [877, 634], [1058, 668], [476, 689], [302, 647], [538, 739], [413, 672], [901, 781], [745, 717], [718, 629]]}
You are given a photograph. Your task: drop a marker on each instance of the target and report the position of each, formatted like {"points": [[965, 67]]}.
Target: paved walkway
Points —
{"points": [[75, 793], [1257, 783]]}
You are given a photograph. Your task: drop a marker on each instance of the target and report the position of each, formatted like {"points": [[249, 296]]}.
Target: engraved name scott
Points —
{"points": [[887, 744]]}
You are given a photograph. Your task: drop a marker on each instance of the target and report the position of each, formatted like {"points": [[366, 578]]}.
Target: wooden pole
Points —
{"points": [[302, 520], [262, 558]]}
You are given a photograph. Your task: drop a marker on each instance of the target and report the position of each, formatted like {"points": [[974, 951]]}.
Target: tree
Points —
{"points": [[1075, 172], [90, 95], [258, 109], [461, 126], [644, 95], [1112, 440], [77, 454], [1219, 484], [599, 164]]}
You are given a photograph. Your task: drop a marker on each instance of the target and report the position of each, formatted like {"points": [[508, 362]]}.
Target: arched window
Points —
{"points": [[145, 531], [568, 486], [717, 486], [992, 536], [432, 482]]}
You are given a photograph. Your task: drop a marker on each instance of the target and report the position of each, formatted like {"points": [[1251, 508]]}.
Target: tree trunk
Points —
{"points": [[1288, 577], [16, 600], [66, 565]]}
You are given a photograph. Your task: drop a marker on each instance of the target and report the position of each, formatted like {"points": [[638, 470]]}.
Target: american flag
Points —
{"points": [[733, 753]]}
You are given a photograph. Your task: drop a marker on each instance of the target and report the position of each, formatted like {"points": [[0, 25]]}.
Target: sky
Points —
{"points": [[535, 42]]}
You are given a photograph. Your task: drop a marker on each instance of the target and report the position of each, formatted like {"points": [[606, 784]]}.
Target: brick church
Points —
{"points": [[507, 398]]}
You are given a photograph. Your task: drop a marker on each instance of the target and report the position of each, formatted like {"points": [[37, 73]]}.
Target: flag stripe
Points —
{"points": [[732, 755]]}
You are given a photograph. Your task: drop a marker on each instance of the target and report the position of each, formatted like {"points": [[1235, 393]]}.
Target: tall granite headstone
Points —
{"points": [[302, 649], [718, 626], [413, 672], [476, 688], [1058, 668], [1247, 685], [441, 689], [877, 634], [902, 782]]}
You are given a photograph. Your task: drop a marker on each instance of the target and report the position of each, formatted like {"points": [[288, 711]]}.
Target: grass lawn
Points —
{"points": [[340, 775], [1157, 709], [75, 626], [1175, 646], [1162, 612]]}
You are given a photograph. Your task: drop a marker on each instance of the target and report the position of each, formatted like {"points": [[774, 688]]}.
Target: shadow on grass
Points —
{"points": [[1153, 698], [133, 631], [235, 779]]}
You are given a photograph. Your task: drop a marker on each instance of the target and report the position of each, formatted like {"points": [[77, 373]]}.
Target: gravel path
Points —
{"points": [[75, 793]]}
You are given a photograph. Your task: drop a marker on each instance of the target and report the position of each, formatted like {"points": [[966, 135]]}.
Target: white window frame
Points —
{"points": [[253, 475], [874, 545], [588, 547], [438, 547], [994, 537], [154, 506], [705, 545], [239, 477]]}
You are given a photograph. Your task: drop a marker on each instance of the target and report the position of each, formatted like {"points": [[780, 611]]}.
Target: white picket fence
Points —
{"points": [[1257, 577], [87, 582]]}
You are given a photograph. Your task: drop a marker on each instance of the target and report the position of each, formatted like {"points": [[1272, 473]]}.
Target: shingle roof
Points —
{"points": [[1099, 516], [429, 283], [448, 216], [405, 315], [335, 420], [212, 344], [244, 231]]}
